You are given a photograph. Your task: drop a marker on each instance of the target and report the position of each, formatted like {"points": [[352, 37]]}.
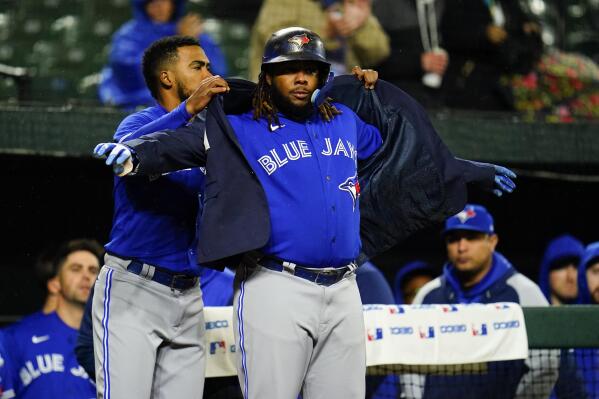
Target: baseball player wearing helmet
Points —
{"points": [[298, 314]]}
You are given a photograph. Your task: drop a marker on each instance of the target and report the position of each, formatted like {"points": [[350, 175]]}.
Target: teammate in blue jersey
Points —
{"points": [[6, 371], [40, 350], [149, 325], [299, 323]]}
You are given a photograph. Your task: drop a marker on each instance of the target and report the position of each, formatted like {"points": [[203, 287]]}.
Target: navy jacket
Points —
{"points": [[410, 182]]}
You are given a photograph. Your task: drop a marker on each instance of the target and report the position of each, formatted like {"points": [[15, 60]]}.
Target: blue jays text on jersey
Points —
{"points": [[43, 359], [309, 174], [154, 220]]}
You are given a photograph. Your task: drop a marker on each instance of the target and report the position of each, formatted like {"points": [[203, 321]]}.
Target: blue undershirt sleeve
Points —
{"points": [[137, 125]]}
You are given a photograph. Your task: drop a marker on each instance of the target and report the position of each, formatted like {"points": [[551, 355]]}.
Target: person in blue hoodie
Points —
{"points": [[558, 281], [122, 82], [409, 279], [477, 273], [557, 275], [588, 294]]}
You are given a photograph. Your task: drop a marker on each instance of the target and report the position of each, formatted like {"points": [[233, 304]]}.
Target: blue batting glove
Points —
{"points": [[117, 155], [503, 180]]}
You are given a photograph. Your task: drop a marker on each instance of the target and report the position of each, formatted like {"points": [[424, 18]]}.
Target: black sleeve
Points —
{"points": [[84, 349], [480, 175], [170, 150]]}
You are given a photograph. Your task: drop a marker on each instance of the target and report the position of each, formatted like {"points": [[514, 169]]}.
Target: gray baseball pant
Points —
{"points": [[296, 336], [148, 338]]}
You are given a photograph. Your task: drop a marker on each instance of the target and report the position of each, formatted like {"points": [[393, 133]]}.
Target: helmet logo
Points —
{"points": [[299, 40]]}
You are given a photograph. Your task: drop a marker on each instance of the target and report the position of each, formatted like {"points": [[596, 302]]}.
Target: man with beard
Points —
{"points": [[282, 197], [149, 337], [477, 273], [40, 349]]}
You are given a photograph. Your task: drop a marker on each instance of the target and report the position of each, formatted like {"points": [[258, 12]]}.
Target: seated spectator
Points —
{"points": [[557, 276], [351, 34], [411, 58], [486, 39], [122, 82], [409, 279], [588, 294], [41, 348]]}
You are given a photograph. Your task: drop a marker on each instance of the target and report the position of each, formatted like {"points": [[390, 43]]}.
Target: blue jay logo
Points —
{"points": [[466, 214], [352, 186], [299, 41]]}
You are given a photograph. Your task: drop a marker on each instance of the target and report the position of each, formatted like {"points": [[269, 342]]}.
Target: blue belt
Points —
{"points": [[164, 277], [325, 277]]}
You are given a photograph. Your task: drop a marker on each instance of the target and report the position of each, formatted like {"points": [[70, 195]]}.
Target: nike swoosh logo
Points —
{"points": [[38, 340], [275, 127]]}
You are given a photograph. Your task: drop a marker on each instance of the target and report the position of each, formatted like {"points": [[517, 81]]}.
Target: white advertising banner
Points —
{"points": [[404, 334], [220, 342], [444, 334]]}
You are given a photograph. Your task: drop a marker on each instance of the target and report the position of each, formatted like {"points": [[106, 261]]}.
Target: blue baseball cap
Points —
{"points": [[473, 218]]}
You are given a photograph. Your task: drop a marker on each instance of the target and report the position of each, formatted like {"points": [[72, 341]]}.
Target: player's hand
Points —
{"points": [[503, 180], [119, 156], [208, 87], [368, 76]]}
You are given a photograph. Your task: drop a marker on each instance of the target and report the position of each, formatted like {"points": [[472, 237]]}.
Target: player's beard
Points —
{"points": [[183, 93], [290, 110]]}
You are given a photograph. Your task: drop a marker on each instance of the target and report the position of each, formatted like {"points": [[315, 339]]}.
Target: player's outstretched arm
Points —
{"points": [[158, 152]]}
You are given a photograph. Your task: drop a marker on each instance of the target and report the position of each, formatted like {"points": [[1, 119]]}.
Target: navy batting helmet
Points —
{"points": [[294, 44]]}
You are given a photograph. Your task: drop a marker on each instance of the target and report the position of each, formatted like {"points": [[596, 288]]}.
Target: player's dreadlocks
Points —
{"points": [[265, 107]]}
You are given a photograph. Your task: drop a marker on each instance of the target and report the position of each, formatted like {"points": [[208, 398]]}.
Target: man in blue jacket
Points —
{"points": [[477, 273], [122, 82], [295, 166], [148, 326]]}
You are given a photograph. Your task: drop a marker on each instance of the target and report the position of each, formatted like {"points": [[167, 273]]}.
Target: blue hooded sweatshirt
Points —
{"points": [[409, 269], [564, 246], [122, 83]]}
